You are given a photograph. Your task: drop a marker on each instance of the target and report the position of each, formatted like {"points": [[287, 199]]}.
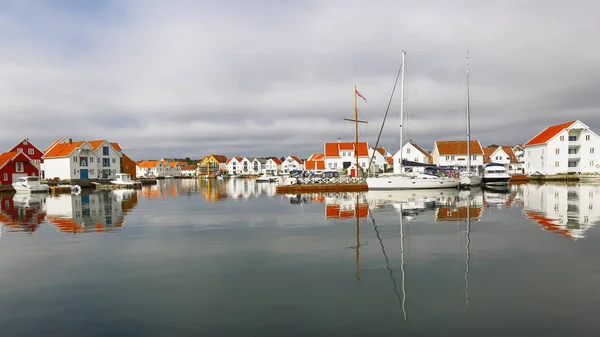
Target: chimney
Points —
{"points": [[339, 141], [70, 141]]}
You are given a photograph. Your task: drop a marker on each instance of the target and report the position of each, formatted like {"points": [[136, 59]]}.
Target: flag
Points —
{"points": [[359, 95]]}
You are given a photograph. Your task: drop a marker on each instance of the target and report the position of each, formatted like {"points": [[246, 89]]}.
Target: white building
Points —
{"points": [[502, 155], [564, 148], [341, 155], [189, 171], [519, 152], [382, 159], [411, 152], [292, 163], [454, 153], [152, 169], [250, 165], [68, 160], [234, 166], [273, 166], [109, 158]]}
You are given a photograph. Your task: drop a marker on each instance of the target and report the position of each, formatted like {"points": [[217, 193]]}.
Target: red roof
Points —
{"points": [[548, 133], [297, 159], [276, 161], [315, 162], [333, 149], [62, 150], [458, 147]]}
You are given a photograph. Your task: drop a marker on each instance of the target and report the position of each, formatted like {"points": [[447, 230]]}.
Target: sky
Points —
{"points": [[185, 78]]}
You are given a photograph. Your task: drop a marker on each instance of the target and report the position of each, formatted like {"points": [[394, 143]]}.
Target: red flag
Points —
{"points": [[359, 95]]}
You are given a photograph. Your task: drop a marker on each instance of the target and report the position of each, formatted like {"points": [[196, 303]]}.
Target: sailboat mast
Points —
{"points": [[356, 131], [402, 106], [468, 120]]}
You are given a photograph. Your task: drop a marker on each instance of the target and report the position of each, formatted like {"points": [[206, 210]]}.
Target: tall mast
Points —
{"points": [[356, 121], [468, 120], [402, 106]]}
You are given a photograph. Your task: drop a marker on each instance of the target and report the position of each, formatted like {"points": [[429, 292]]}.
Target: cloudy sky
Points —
{"points": [[260, 78]]}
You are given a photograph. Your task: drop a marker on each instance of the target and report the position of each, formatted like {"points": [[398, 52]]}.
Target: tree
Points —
{"points": [[493, 145]]}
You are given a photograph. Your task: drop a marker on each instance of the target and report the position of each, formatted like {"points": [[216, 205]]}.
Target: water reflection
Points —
{"points": [[22, 212], [70, 213], [565, 210], [95, 212]]}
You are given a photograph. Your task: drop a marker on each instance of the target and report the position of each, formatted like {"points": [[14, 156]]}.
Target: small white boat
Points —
{"points": [[267, 179], [29, 185], [122, 179], [495, 175], [589, 178]]}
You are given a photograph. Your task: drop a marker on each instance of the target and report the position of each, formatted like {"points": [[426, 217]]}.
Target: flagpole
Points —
{"points": [[356, 134]]}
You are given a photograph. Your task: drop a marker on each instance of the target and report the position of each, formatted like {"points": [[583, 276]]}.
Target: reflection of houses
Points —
{"points": [[565, 210], [22, 212], [458, 213], [96, 212], [246, 188], [342, 206]]}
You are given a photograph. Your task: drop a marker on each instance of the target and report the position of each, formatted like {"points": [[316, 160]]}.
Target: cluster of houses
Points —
{"points": [[559, 149]]}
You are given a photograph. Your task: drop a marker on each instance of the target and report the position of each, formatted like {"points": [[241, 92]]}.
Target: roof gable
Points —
{"points": [[28, 142], [548, 133], [7, 157], [420, 149]]}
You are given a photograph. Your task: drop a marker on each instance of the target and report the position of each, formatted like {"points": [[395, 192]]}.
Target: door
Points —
{"points": [[83, 174]]}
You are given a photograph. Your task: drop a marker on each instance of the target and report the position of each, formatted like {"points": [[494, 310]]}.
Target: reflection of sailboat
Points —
{"points": [[413, 200], [467, 252]]}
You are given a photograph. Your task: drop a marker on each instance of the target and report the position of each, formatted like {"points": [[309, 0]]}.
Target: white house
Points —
{"points": [[152, 169], [273, 166], [250, 165], [454, 153], [174, 168], [564, 148], [501, 155], [292, 163], [341, 155], [519, 152], [109, 158], [189, 171], [68, 160], [381, 159], [234, 166], [412, 152]]}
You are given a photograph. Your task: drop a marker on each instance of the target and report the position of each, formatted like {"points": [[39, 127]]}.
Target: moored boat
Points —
{"points": [[495, 174], [29, 185]]}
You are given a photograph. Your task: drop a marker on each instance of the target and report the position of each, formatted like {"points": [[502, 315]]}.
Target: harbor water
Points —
{"points": [[231, 258]]}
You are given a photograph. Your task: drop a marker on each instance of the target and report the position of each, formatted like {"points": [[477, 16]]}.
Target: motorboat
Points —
{"points": [[495, 174], [589, 178], [122, 179], [29, 185]]}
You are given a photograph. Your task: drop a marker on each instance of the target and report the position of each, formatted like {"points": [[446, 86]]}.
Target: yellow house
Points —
{"points": [[212, 165]]}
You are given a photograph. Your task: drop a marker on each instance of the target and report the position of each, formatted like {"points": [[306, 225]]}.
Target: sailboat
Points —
{"points": [[430, 178], [469, 178]]}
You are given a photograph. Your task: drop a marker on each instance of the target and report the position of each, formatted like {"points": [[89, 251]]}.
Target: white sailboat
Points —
{"points": [[469, 178], [399, 180]]}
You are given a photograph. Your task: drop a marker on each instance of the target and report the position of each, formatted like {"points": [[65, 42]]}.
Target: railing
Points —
{"points": [[321, 181]]}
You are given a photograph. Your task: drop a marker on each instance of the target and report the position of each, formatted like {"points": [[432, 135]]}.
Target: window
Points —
{"points": [[572, 138], [92, 171], [114, 171], [587, 137], [24, 142], [105, 150], [556, 164], [20, 150], [557, 151], [74, 171], [591, 150], [447, 157], [591, 163], [572, 164], [451, 157], [30, 151], [562, 138], [113, 160], [19, 167], [74, 159], [572, 151], [105, 162], [5, 176], [408, 151], [91, 159]]}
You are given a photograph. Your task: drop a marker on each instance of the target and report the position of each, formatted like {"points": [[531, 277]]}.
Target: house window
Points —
{"points": [[451, 157], [572, 151], [74, 171], [587, 137], [113, 160], [91, 159], [408, 151], [25, 143], [19, 167], [591, 163], [562, 138], [556, 164], [572, 138], [572, 164], [557, 151], [105, 162], [5, 176], [330, 165], [591, 150], [447, 157], [92, 171], [30, 151], [105, 151], [114, 171], [83, 161]]}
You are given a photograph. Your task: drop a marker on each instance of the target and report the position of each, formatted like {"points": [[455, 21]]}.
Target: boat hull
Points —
{"points": [[409, 183], [32, 189], [468, 180], [496, 181]]}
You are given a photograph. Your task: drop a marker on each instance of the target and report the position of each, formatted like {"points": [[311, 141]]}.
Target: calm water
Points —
{"points": [[232, 258]]}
